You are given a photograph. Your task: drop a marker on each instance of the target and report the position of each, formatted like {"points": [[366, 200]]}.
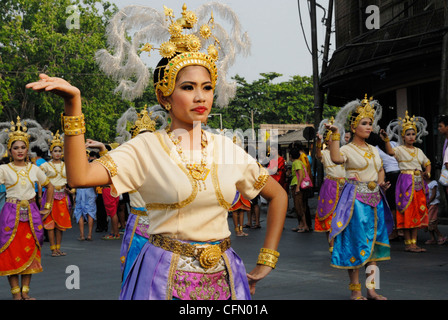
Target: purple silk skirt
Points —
{"points": [[151, 276]]}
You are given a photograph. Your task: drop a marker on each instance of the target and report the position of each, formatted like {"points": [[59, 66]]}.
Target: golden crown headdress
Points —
{"points": [[56, 141], [144, 122], [18, 132], [408, 123], [182, 49], [365, 110]]}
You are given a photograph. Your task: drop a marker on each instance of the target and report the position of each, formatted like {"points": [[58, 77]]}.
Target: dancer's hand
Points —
{"points": [[332, 127], [95, 144], [56, 85], [383, 134], [384, 185], [258, 273]]}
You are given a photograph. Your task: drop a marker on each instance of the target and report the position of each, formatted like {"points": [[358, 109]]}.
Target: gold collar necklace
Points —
{"points": [[198, 172]]}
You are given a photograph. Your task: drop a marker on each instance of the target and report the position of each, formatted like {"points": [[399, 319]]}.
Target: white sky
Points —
{"points": [[278, 43]]}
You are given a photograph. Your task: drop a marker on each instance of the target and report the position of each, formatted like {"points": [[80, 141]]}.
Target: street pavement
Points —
{"points": [[303, 271]]}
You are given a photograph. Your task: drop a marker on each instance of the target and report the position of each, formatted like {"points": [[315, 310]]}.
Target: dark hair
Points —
{"points": [[295, 153], [159, 72], [443, 119]]}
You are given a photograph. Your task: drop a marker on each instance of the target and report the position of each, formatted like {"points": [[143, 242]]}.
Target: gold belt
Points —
{"points": [[21, 203], [414, 172], [338, 180], [139, 212], [207, 256]]}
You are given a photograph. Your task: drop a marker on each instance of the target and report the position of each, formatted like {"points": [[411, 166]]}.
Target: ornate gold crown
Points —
{"points": [[407, 123], [365, 110], [18, 133], [182, 50], [143, 123], [56, 141]]}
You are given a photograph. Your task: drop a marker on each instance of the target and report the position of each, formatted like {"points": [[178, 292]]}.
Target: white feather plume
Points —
{"points": [[394, 129], [346, 111], [136, 25]]}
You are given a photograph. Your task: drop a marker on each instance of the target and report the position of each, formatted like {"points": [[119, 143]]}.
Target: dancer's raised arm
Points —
{"points": [[80, 173]]}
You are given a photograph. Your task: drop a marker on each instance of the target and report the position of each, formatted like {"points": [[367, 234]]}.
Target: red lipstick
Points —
{"points": [[200, 109]]}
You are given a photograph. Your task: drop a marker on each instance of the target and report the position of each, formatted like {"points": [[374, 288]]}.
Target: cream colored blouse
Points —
{"points": [[56, 173], [179, 208], [362, 164], [332, 169], [19, 181], [410, 159]]}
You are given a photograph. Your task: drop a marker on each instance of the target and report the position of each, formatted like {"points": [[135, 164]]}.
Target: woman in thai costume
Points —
{"points": [[362, 219], [333, 183], [21, 229], [59, 219], [411, 189], [239, 206], [187, 178]]}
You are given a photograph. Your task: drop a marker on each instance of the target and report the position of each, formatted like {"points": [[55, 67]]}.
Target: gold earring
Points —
{"points": [[168, 106]]}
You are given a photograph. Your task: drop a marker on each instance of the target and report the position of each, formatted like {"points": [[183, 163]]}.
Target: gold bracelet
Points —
{"points": [[270, 251], [387, 139], [102, 153], [268, 257], [47, 206], [336, 137], [319, 145], [73, 125]]}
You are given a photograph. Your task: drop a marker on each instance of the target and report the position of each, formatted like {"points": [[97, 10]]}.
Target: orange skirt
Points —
{"points": [[416, 215], [22, 255], [240, 204], [322, 225], [59, 217]]}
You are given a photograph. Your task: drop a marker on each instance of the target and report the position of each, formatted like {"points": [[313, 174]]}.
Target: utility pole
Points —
{"points": [[319, 94]]}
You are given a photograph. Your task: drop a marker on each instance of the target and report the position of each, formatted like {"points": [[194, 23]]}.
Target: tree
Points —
{"points": [[275, 103], [41, 36]]}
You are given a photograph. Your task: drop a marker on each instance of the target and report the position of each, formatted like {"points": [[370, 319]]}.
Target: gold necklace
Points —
{"points": [[22, 174], [53, 165], [412, 153], [367, 154], [198, 171]]}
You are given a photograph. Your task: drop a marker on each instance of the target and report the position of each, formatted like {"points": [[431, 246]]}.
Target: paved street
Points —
{"points": [[303, 271]]}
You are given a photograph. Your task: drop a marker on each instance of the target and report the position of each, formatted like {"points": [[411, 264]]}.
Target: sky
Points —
{"points": [[278, 43]]}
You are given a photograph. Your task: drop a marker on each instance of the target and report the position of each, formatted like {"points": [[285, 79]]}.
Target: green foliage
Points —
{"points": [[275, 103], [34, 39]]}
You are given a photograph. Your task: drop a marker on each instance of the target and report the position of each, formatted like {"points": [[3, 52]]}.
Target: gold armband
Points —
{"points": [[47, 206], [268, 257], [73, 125], [336, 137], [319, 145]]}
